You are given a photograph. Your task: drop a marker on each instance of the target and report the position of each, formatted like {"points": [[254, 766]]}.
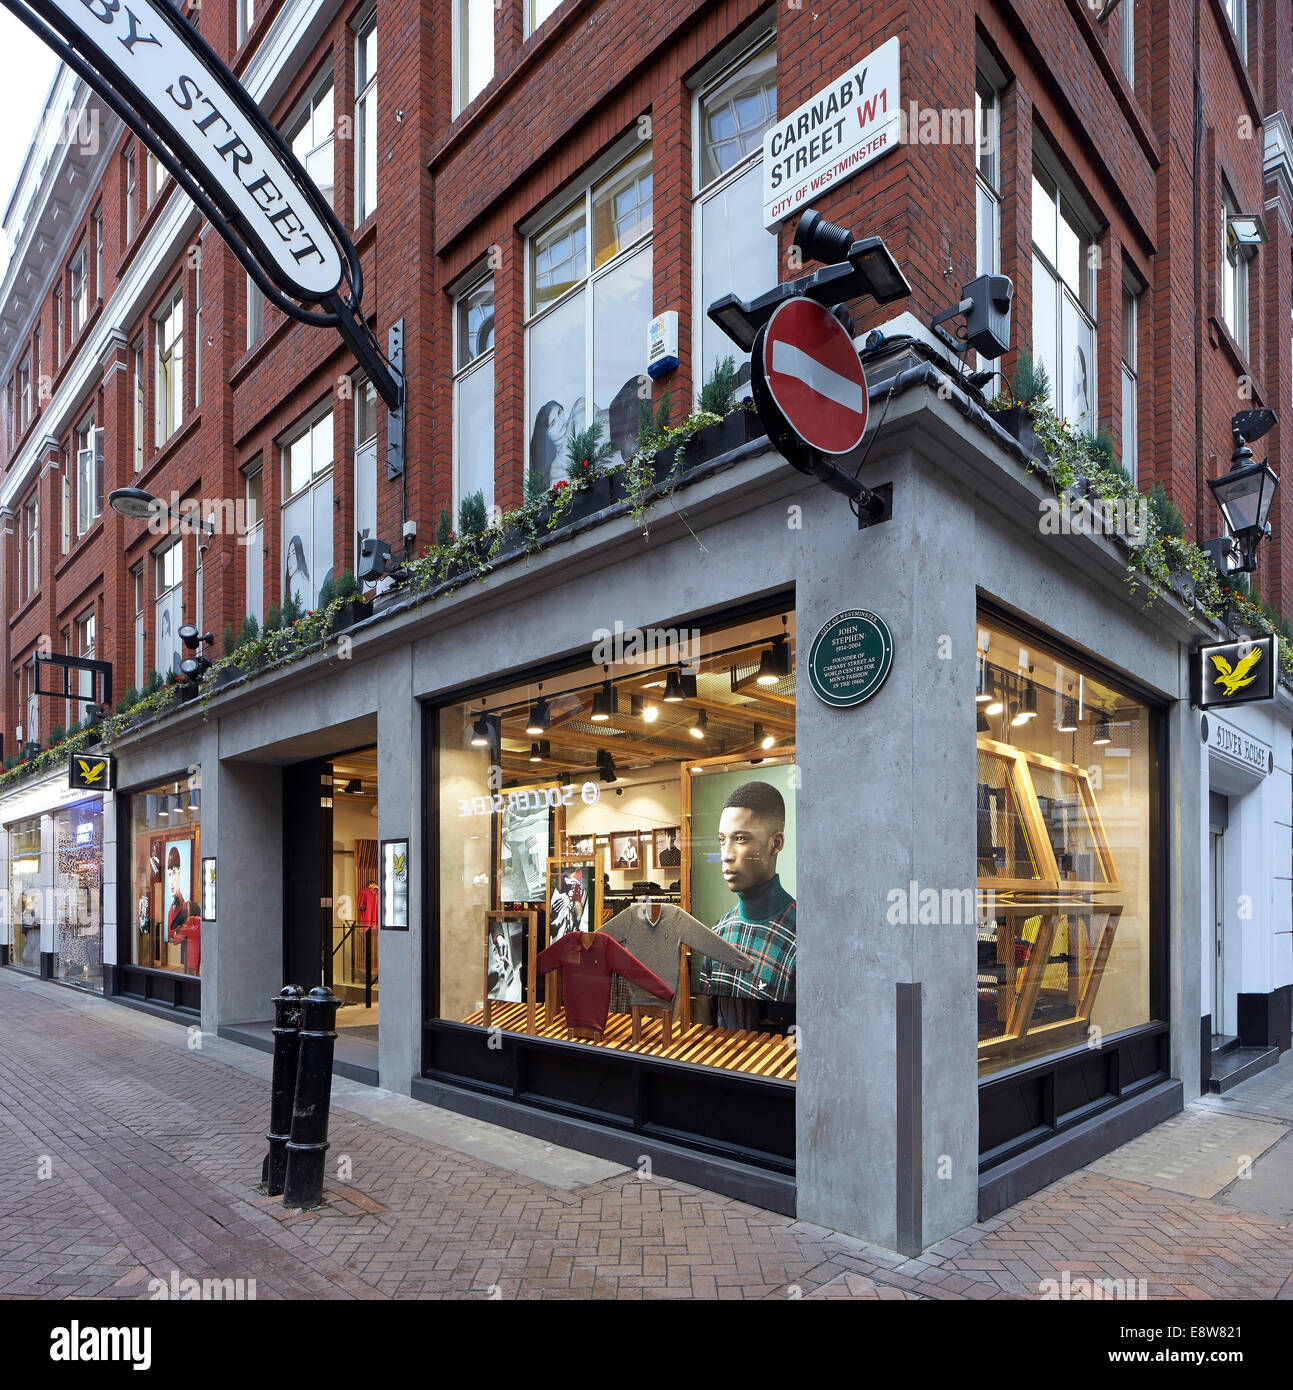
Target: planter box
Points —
{"points": [[227, 675], [596, 497], [1018, 422], [352, 611]]}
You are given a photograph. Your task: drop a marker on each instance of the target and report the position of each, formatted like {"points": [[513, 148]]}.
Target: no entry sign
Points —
{"points": [[811, 370]]}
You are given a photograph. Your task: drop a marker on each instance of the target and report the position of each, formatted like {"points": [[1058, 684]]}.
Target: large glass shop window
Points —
{"points": [[166, 931], [78, 893], [25, 898], [1062, 817], [617, 851]]}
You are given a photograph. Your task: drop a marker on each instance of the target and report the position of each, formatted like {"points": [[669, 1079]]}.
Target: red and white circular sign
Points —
{"points": [[812, 371]]}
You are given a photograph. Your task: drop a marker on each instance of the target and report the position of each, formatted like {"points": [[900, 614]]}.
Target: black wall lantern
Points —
{"points": [[1244, 496]]}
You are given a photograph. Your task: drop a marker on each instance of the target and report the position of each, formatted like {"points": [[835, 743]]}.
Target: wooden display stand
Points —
{"points": [[1043, 949]]}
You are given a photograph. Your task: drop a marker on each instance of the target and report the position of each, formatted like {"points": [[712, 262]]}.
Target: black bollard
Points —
{"points": [[287, 1043], [308, 1146]]}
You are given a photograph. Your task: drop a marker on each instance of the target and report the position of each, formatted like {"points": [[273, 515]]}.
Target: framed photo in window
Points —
{"points": [[574, 895], [394, 886], [209, 890]]}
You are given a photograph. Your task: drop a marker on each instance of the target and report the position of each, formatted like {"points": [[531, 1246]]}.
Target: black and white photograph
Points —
{"points": [[523, 854], [505, 971], [626, 849], [573, 896], [666, 847]]}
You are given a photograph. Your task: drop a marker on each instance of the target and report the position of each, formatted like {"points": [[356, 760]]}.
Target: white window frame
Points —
{"points": [[65, 492], [58, 326], [537, 14], [463, 92], [97, 220], [137, 579], [303, 118], [78, 293], [752, 48], [89, 475], [987, 189], [131, 189], [137, 364], [1234, 275], [168, 378], [1130, 380], [31, 544], [318, 476], [157, 176], [464, 370], [365, 398], [365, 119], [168, 591], [24, 391], [1237, 14], [197, 336], [255, 313], [246, 19], [84, 629], [1082, 296], [254, 543], [616, 158]]}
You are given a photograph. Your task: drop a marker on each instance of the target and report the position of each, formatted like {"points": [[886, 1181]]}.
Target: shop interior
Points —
{"points": [[1063, 836], [24, 894], [604, 804], [166, 855], [353, 873], [78, 893]]}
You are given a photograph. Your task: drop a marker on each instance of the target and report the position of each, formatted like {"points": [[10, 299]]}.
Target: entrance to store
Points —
{"points": [[330, 891], [1218, 935]]}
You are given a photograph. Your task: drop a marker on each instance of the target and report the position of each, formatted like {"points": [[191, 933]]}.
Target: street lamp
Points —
{"points": [[140, 505], [1244, 496]]}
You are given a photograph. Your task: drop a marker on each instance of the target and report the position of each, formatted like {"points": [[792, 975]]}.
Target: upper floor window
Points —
{"points": [[311, 137], [131, 189], [536, 11], [77, 292], [590, 297], [365, 118], [157, 176], [197, 334], [307, 510], [89, 474], [1127, 40], [473, 49], [246, 18], [1064, 300], [169, 605], [1237, 14], [734, 253], [255, 312], [473, 403], [987, 178], [97, 225], [1130, 379], [169, 385], [58, 324], [137, 368], [24, 392], [137, 592], [253, 541], [1236, 248], [31, 545], [365, 464]]}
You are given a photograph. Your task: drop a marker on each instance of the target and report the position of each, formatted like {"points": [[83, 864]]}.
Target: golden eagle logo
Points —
{"points": [[1242, 674], [397, 863], [91, 772]]}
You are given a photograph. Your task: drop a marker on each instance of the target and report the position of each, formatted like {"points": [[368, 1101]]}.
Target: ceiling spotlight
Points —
{"points": [[983, 726], [762, 738], [1018, 716], [480, 732], [1068, 720], [774, 664], [643, 709], [698, 725], [540, 751], [353, 787], [982, 686], [994, 706], [673, 693], [164, 806], [604, 701], [606, 765], [540, 717], [1102, 734]]}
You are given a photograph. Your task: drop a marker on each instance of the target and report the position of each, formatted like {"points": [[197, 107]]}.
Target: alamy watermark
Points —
{"points": [[647, 646], [1072, 515]]}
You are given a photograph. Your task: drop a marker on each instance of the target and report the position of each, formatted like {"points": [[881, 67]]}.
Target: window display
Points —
{"points": [[1062, 823], [621, 839], [25, 894], [78, 893], [165, 856]]}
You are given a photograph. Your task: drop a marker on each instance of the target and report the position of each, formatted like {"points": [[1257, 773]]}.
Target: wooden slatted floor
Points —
{"points": [[760, 1054]]}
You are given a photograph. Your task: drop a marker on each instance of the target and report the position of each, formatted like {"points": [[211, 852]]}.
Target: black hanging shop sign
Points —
{"points": [[1234, 673], [92, 772], [170, 87]]}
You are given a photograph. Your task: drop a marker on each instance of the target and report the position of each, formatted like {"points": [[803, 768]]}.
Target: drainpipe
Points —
{"points": [[1198, 292]]}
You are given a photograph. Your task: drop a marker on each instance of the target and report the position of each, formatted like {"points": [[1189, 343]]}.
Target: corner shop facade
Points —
{"points": [[888, 1095]]}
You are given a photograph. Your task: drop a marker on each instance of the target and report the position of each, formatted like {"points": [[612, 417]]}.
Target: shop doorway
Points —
{"points": [[330, 932]]}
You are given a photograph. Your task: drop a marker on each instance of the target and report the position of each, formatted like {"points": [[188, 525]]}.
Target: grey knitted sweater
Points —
{"points": [[656, 944]]}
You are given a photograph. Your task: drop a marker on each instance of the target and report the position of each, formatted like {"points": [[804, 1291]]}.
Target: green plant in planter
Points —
{"points": [[273, 619], [587, 453], [153, 683], [1164, 513], [536, 485], [327, 592], [444, 529], [472, 516], [131, 697], [73, 728], [1032, 382], [227, 639], [719, 391], [56, 735], [249, 631], [654, 424], [347, 587], [293, 610]]}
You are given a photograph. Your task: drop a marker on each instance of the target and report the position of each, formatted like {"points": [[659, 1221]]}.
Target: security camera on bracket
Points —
{"points": [[375, 562]]}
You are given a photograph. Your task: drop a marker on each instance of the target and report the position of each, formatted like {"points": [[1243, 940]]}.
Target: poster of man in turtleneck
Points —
{"points": [[761, 923]]}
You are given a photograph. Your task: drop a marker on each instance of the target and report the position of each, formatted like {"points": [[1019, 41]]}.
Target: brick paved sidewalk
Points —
{"points": [[153, 1150]]}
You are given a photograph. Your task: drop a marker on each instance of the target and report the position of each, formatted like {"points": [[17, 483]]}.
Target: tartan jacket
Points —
{"points": [[761, 926]]}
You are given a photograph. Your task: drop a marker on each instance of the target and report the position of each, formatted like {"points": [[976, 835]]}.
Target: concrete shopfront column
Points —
{"points": [[888, 1128], [50, 905], [399, 817]]}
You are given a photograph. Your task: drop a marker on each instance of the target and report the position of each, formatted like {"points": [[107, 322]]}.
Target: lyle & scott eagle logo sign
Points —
{"points": [[1234, 678], [91, 773], [1234, 673]]}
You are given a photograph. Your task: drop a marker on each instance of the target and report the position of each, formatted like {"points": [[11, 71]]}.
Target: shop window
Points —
{"points": [[591, 296], [365, 118], [1130, 381], [254, 542], [1063, 835], [169, 606], [652, 801], [311, 137], [165, 854], [89, 475], [474, 49], [78, 894], [365, 465], [735, 254], [168, 326], [1064, 301], [473, 398], [307, 511], [77, 292], [25, 896], [31, 545]]}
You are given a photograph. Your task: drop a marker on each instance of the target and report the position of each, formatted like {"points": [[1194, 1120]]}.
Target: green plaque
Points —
{"points": [[850, 658]]}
